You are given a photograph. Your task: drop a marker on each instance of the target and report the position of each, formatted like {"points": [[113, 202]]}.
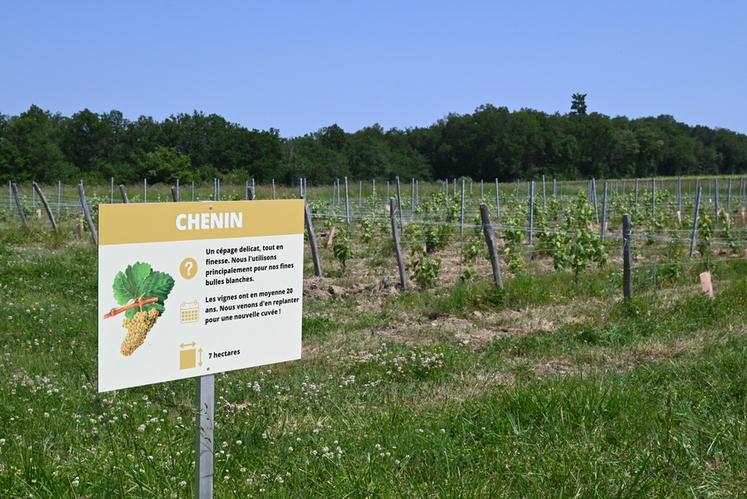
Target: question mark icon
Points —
{"points": [[188, 268]]}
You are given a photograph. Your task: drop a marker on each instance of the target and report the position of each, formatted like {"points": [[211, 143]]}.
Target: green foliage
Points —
{"points": [[425, 268], [367, 228], [728, 232], [471, 249], [576, 245], [705, 234], [139, 282], [490, 142], [341, 247], [513, 233], [468, 274], [166, 165]]}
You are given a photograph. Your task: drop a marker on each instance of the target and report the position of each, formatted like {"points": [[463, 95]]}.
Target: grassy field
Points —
{"points": [[549, 387]]}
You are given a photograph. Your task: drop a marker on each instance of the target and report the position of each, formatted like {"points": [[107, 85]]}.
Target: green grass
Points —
{"points": [[368, 415]]}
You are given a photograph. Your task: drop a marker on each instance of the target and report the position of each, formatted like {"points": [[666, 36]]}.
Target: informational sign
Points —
{"points": [[188, 289]]}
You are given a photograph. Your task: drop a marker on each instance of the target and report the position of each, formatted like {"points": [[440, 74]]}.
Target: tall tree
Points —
{"points": [[578, 104]]}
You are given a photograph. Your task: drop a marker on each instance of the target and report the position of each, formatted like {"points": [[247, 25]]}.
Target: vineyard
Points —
{"points": [[540, 225], [461, 338]]}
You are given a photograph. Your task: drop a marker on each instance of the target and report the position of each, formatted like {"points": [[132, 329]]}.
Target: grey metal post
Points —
{"points": [[254, 189], [274, 195], [603, 226], [145, 190], [715, 200], [87, 214], [21, 214], [695, 220], [123, 193], [594, 199], [347, 202], [627, 259], [10, 198], [205, 395], [653, 198], [111, 189], [33, 199], [728, 196], [482, 190], [398, 252], [554, 188], [487, 229], [412, 199], [399, 202], [636, 191], [360, 193], [679, 194], [193, 190], [312, 241], [531, 212], [497, 201], [461, 211], [43, 199], [178, 190], [544, 194], [59, 196], [373, 188], [387, 189]]}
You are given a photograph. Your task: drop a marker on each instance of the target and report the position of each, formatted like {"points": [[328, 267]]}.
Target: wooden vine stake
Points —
{"points": [[397, 250], [43, 198], [399, 202], [694, 232], [87, 214], [21, 214], [487, 229], [123, 193], [312, 241]]}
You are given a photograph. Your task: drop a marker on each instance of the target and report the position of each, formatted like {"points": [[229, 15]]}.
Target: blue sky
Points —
{"points": [[298, 66]]}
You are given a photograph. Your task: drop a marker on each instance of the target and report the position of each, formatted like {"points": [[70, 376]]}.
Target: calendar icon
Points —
{"points": [[189, 311]]}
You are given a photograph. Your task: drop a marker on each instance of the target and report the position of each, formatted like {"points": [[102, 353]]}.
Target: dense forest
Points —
{"points": [[488, 143]]}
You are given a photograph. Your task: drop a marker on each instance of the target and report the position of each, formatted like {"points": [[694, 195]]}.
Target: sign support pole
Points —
{"points": [[205, 426]]}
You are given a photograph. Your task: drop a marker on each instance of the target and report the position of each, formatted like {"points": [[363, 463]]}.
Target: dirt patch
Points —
{"points": [[320, 288]]}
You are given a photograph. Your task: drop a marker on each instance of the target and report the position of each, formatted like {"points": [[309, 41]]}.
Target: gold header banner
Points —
{"points": [[162, 222]]}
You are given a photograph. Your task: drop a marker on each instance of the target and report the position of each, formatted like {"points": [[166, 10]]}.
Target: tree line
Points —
{"points": [[488, 143]]}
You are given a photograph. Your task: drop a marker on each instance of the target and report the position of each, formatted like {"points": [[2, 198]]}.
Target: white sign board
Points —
{"points": [[188, 289]]}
